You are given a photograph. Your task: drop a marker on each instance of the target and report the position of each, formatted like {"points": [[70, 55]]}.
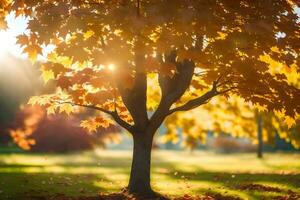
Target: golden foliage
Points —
{"points": [[93, 124], [251, 49], [230, 116]]}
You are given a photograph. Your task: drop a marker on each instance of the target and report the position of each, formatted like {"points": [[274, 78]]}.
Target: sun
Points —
{"points": [[111, 67]]}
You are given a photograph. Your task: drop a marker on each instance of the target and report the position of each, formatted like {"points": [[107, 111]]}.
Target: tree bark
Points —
{"points": [[259, 136], [139, 182]]}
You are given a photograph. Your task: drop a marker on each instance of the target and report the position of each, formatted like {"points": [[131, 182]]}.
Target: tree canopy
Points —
{"points": [[105, 52], [104, 49]]}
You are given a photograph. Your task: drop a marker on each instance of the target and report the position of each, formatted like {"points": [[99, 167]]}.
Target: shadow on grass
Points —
{"points": [[73, 178], [223, 185], [28, 185]]}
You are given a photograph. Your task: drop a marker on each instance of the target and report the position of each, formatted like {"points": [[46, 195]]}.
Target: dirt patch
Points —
{"points": [[112, 196], [290, 196], [259, 187], [122, 196], [219, 196]]}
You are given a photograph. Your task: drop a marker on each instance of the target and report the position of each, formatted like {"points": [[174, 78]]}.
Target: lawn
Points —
{"points": [[33, 176]]}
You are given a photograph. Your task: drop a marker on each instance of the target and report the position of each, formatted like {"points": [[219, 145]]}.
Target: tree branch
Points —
{"points": [[200, 74], [198, 101], [227, 90], [135, 99], [121, 122], [172, 88], [87, 106], [113, 114], [202, 99]]}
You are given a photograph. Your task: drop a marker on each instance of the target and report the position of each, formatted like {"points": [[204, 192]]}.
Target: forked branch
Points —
{"points": [[197, 101], [202, 99]]}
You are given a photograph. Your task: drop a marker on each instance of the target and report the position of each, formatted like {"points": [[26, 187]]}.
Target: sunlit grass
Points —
{"points": [[173, 173]]}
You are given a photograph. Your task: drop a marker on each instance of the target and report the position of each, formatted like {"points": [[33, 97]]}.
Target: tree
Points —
{"points": [[232, 116], [105, 50]]}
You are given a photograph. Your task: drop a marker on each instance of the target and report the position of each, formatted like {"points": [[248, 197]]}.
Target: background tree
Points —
{"points": [[33, 130], [106, 49], [234, 117]]}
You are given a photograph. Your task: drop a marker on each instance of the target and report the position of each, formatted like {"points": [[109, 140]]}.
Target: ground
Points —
{"points": [[175, 174]]}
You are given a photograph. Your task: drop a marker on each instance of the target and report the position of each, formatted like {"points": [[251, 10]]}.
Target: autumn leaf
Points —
{"points": [[33, 51], [22, 40], [289, 121], [63, 82], [66, 108], [40, 100], [56, 68], [93, 124], [3, 23], [99, 97], [47, 75], [103, 122], [198, 85], [51, 110]]}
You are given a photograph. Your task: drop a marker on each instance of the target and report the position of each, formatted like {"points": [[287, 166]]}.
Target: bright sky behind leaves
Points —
{"points": [[16, 26]]}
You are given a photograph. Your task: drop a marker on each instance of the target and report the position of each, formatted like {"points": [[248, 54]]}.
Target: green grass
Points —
{"points": [[173, 173]]}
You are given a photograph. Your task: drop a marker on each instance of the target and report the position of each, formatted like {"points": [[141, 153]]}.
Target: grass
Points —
{"points": [[173, 173]]}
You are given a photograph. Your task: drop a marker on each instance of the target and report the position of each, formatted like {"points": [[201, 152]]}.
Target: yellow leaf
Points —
{"points": [[40, 100], [3, 24], [66, 108], [47, 75], [33, 51], [94, 123], [34, 100], [90, 125], [289, 121], [88, 34], [51, 109], [222, 36]]}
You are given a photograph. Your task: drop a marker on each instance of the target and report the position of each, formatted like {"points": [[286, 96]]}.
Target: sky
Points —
{"points": [[16, 26]]}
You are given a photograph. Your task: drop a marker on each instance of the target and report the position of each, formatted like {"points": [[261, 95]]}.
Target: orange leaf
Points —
{"points": [[63, 82]]}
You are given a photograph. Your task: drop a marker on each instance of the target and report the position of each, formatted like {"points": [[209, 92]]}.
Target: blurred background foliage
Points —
{"points": [[29, 127]]}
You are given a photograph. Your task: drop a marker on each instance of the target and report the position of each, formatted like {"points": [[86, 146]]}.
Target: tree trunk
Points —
{"points": [[139, 182], [259, 136]]}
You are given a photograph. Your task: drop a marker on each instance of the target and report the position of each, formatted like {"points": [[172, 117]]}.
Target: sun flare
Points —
{"points": [[111, 67], [6, 42]]}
